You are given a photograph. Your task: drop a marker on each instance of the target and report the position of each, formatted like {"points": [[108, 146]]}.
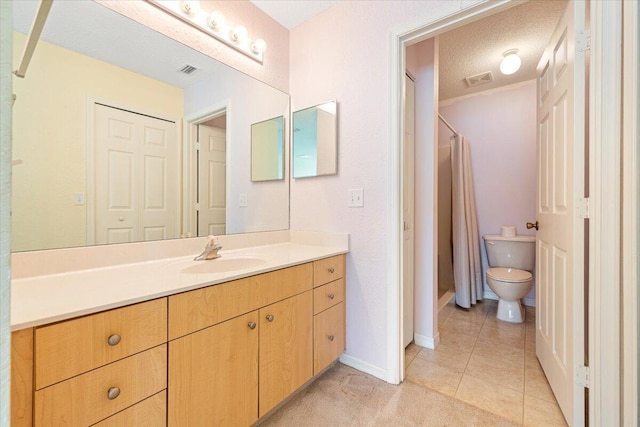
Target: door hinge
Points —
{"points": [[197, 146], [582, 376], [197, 207], [583, 41], [582, 208]]}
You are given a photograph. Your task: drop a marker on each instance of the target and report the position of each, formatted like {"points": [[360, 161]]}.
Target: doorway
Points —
{"points": [[438, 30]]}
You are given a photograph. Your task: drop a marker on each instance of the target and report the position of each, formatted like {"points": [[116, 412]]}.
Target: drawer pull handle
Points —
{"points": [[331, 337], [113, 393], [114, 339], [252, 325], [331, 296], [270, 317], [331, 270]]}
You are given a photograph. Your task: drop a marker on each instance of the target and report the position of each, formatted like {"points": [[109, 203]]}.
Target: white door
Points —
{"points": [[559, 244], [407, 208], [212, 181], [136, 181]]}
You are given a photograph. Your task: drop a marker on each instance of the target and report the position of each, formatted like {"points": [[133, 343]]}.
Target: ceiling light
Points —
{"points": [[216, 20], [259, 46], [511, 62]]}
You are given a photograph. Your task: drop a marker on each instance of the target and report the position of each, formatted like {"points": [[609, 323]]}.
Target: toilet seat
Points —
{"points": [[512, 275]]}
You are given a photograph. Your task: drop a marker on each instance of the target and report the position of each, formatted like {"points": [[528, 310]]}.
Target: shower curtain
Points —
{"points": [[467, 270]]}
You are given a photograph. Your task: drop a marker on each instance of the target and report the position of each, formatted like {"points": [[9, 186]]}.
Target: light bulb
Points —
{"points": [[259, 46], [511, 62], [188, 7], [216, 20], [238, 33]]}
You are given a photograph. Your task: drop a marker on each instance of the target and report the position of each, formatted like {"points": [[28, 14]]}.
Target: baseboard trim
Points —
{"points": [[528, 301], [365, 367], [425, 341]]}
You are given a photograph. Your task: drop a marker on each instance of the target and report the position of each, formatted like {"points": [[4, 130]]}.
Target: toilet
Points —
{"points": [[511, 261]]}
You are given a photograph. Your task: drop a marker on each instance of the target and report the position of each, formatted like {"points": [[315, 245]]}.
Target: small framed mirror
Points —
{"points": [[267, 150], [315, 141]]}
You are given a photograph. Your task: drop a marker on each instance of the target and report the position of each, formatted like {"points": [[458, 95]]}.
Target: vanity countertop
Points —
{"points": [[50, 298]]}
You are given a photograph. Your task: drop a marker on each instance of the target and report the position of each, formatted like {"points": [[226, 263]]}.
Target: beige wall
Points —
{"points": [[49, 137]]}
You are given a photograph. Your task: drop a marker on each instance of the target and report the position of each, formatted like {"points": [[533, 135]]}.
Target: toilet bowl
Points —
{"points": [[511, 285], [511, 260]]}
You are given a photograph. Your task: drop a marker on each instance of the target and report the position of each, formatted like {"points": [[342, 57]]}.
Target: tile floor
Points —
{"points": [[487, 363]]}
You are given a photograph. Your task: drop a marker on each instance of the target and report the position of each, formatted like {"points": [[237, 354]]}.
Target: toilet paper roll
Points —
{"points": [[508, 231]]}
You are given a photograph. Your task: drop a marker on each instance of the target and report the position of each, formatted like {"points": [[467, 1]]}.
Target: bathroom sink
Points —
{"points": [[222, 265]]}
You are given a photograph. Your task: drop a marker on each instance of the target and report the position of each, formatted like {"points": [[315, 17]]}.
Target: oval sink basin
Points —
{"points": [[222, 265]]}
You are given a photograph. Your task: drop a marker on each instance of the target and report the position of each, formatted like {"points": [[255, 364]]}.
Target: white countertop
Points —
{"points": [[50, 298]]}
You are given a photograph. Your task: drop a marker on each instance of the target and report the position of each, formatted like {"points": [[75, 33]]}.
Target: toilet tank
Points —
{"points": [[511, 252]]}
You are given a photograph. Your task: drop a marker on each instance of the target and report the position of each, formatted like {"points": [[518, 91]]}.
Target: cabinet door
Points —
{"points": [[213, 375], [329, 337], [286, 348]]}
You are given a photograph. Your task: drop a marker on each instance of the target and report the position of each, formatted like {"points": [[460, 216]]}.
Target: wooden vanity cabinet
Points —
{"points": [[224, 355]]}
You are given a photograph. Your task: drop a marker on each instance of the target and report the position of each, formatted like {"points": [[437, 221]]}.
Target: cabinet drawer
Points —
{"points": [[151, 412], [328, 337], [327, 270], [84, 400], [198, 309], [70, 348], [328, 295]]}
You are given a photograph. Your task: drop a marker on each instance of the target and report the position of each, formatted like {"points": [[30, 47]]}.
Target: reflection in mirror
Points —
{"points": [[315, 141], [109, 136], [267, 150]]}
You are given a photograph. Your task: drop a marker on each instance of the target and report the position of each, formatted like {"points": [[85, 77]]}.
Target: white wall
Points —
{"points": [[249, 101], [501, 128], [344, 53], [422, 62]]}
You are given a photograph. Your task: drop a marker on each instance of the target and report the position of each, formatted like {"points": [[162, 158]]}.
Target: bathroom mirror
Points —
{"points": [[315, 141], [267, 150], [104, 147]]}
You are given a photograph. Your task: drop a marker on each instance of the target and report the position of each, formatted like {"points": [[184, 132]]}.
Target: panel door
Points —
{"points": [[558, 188], [136, 177], [212, 181], [286, 348], [213, 375]]}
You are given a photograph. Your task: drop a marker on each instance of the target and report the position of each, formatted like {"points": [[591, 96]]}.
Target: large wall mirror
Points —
{"points": [[121, 134], [315, 141]]}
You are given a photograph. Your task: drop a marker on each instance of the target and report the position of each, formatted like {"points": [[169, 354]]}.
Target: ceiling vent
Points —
{"points": [[187, 69], [479, 79]]}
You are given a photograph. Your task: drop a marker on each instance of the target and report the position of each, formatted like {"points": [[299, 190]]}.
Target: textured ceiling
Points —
{"points": [[293, 13], [477, 47]]}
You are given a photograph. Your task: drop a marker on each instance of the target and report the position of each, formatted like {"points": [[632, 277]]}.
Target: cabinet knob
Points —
{"points": [[331, 296], [113, 393], [331, 337], [121, 218], [331, 270], [270, 317], [252, 325], [114, 339]]}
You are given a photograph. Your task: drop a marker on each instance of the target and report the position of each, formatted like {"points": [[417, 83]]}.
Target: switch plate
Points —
{"points": [[356, 198], [242, 200], [79, 199]]}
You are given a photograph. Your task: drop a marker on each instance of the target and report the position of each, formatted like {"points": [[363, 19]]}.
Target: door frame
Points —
{"points": [[606, 19], [189, 162], [90, 199]]}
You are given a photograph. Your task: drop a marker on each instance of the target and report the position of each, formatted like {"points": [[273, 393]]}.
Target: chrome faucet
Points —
{"points": [[210, 250]]}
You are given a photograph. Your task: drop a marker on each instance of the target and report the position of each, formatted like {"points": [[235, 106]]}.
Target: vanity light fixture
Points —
{"points": [[511, 62], [214, 24]]}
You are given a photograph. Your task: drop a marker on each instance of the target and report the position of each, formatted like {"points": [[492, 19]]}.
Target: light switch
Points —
{"points": [[78, 199], [356, 198], [242, 200]]}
